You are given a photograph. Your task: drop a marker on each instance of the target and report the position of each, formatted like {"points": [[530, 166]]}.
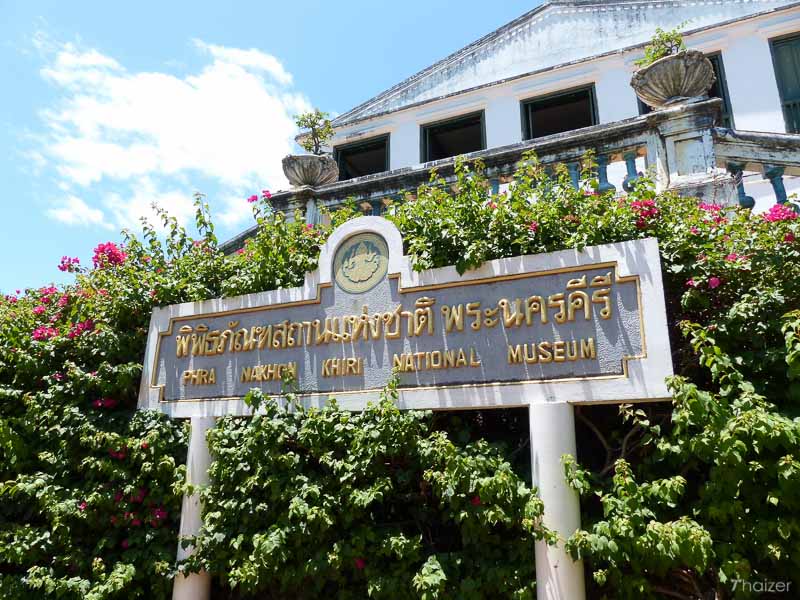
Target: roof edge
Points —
{"points": [[623, 50]]}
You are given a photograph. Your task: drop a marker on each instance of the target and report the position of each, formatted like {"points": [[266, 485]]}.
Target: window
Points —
{"points": [[558, 113], [718, 90], [362, 158], [452, 137], [786, 59]]}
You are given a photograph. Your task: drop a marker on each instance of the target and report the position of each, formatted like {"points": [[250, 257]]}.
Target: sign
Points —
{"points": [[569, 326]]}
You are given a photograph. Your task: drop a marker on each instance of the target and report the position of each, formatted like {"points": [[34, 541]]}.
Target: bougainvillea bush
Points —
{"points": [[311, 504]]}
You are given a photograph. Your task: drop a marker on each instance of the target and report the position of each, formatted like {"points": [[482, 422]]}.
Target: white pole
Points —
{"points": [[196, 586], [552, 430]]}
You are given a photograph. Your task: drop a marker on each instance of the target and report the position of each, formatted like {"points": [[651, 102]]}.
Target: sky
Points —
{"points": [[107, 107]]}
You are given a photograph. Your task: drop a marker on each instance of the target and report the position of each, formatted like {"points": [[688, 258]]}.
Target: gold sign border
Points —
{"points": [[408, 290]]}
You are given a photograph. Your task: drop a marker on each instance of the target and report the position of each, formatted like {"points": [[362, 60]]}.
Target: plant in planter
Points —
{"points": [[669, 73], [317, 168]]}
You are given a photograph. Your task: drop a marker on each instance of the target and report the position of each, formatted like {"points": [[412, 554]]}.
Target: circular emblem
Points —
{"points": [[361, 262]]}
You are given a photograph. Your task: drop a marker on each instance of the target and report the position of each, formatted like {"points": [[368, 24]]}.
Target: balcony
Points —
{"points": [[680, 147]]}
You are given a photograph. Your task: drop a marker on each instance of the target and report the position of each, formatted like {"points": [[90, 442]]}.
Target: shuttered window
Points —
{"points": [[452, 137], [786, 59], [557, 113], [362, 158]]}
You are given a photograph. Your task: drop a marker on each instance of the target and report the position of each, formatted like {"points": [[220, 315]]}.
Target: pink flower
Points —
{"points": [[125, 544], [82, 505], [476, 500], [146, 259], [691, 283], [63, 301], [43, 333], [266, 194], [58, 376], [80, 328], [107, 255], [68, 264], [118, 454], [139, 497], [38, 310], [780, 212], [145, 445], [491, 205], [694, 231], [360, 563], [98, 403], [136, 523], [533, 226], [712, 208], [714, 282], [645, 210], [159, 514], [252, 199], [789, 238], [309, 226], [118, 497], [733, 257], [12, 299], [240, 251]]}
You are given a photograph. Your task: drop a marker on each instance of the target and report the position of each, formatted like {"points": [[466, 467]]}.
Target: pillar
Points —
{"points": [[775, 175], [195, 586], [552, 431], [602, 175]]}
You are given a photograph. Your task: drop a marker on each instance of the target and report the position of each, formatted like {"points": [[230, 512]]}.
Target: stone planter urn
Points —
{"points": [[674, 79], [310, 169]]}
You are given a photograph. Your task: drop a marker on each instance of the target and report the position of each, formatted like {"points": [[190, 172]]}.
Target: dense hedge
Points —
{"points": [[91, 490]]}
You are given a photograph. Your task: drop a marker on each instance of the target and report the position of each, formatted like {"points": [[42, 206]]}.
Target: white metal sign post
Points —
{"points": [[544, 331]]}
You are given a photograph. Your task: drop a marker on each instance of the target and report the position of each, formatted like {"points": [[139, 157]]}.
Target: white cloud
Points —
{"points": [[229, 124], [74, 211], [128, 211]]}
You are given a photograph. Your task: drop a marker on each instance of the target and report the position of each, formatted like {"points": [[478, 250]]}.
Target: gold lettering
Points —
{"points": [[474, 361], [558, 351], [515, 354], [572, 350], [587, 349], [545, 356], [474, 310], [453, 317]]}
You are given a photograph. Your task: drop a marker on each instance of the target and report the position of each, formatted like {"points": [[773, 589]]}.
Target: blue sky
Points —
{"points": [[109, 106]]}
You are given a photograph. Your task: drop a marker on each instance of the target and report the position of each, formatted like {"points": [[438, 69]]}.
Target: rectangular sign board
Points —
{"points": [[568, 326]]}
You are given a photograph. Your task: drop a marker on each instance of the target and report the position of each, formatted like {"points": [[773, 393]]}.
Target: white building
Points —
{"points": [[557, 81], [567, 65]]}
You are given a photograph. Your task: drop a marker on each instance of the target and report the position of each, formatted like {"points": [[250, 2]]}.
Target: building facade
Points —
{"points": [[561, 72]]}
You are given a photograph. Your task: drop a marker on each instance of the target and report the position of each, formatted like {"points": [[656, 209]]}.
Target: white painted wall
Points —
{"points": [[751, 83]]}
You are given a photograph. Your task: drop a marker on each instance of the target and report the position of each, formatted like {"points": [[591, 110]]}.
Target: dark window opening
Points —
{"points": [[558, 113], [786, 60], [453, 137], [718, 90], [362, 158]]}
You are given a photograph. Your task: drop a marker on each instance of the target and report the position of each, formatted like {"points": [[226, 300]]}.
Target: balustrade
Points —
{"points": [[680, 147]]}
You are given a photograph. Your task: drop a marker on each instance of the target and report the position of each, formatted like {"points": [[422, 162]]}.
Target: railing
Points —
{"points": [[680, 147]]}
